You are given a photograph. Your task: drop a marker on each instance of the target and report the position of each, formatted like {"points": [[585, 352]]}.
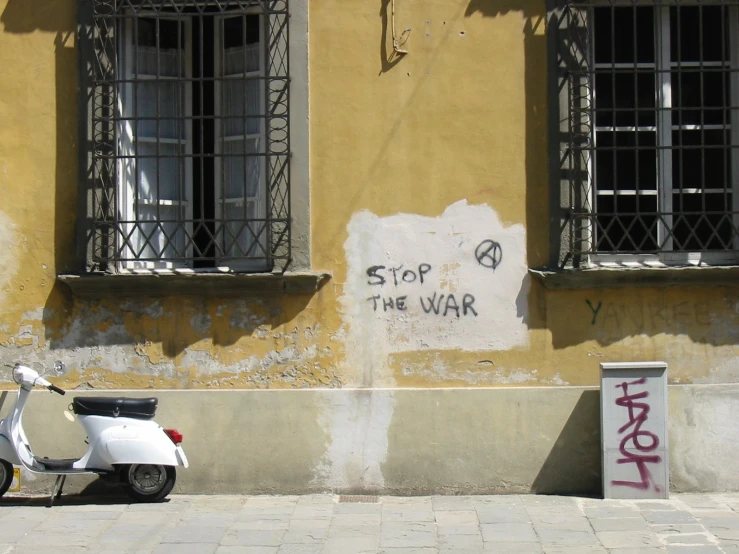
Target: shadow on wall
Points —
{"points": [[177, 323], [574, 463], [73, 323], [537, 181], [536, 70], [50, 16], [388, 56], [57, 18], [493, 8], [606, 316], [534, 12]]}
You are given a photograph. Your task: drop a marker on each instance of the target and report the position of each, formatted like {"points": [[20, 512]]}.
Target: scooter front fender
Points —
{"points": [[7, 452]]}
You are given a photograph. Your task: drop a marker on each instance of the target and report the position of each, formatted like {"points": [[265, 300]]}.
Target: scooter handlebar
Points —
{"points": [[57, 390]]}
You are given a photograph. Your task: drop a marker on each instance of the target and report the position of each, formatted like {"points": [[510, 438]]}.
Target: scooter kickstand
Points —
{"points": [[57, 490]]}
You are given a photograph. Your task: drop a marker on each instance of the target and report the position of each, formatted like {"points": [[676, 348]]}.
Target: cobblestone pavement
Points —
{"points": [[393, 525]]}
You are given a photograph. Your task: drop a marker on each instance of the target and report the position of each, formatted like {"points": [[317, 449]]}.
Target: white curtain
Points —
{"points": [[156, 194], [241, 191]]}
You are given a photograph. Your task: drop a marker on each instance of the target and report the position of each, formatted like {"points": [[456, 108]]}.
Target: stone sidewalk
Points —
{"points": [[706, 523]]}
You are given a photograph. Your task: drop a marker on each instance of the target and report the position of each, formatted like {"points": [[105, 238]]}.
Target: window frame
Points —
{"points": [[576, 83], [126, 197], [100, 231], [219, 140]]}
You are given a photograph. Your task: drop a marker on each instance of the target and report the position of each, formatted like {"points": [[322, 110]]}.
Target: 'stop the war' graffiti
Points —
{"points": [[488, 254], [437, 306], [457, 281]]}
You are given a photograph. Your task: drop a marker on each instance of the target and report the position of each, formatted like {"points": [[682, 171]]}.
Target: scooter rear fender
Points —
{"points": [[134, 451], [145, 446], [7, 452]]}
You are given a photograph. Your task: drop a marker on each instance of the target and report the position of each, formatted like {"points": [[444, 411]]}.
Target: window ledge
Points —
{"points": [[602, 277], [94, 286]]}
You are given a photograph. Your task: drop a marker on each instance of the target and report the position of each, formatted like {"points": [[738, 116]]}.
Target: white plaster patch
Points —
{"points": [[289, 359], [704, 438], [201, 322], [119, 358], [9, 260], [79, 335], [357, 423], [723, 368], [435, 370], [153, 309], [33, 315], [206, 364], [454, 282], [244, 317]]}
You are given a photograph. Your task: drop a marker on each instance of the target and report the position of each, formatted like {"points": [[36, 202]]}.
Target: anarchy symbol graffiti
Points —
{"points": [[489, 254]]}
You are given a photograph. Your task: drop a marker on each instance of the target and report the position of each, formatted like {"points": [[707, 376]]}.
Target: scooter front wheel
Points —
{"points": [[6, 476], [147, 482]]}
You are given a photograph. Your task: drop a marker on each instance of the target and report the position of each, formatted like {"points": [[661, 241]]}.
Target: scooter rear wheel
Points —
{"points": [[6, 476], [149, 483]]}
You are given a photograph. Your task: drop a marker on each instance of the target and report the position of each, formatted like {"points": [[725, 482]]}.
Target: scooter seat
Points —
{"points": [[138, 408]]}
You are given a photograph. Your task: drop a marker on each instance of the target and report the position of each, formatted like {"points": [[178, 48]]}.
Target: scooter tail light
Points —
{"points": [[174, 435]]}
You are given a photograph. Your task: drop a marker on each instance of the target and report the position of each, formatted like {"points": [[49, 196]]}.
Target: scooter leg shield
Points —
{"points": [[7, 452]]}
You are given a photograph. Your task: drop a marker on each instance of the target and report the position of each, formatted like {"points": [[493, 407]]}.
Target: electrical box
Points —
{"points": [[633, 403]]}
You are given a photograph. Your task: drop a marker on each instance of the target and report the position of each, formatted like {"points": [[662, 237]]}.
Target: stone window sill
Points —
{"points": [[601, 277], [94, 286]]}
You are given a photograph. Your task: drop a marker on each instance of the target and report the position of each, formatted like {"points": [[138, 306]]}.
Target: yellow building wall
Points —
{"points": [[447, 139]]}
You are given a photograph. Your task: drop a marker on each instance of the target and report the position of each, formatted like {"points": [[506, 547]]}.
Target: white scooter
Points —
{"points": [[123, 440]]}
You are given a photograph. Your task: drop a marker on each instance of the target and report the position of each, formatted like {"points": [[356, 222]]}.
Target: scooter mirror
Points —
{"points": [[59, 366]]}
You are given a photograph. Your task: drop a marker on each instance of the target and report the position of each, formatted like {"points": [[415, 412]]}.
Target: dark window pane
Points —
{"points": [[234, 27], [233, 32], [624, 35], [699, 160], [168, 33], [698, 33], [252, 29], [693, 90], [634, 100], [622, 165]]}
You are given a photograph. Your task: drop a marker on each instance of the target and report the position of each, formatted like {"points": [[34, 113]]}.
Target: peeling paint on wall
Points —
{"points": [[9, 260], [454, 282], [180, 343]]}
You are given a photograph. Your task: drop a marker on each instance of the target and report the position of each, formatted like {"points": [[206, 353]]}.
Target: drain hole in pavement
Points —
{"points": [[358, 498]]}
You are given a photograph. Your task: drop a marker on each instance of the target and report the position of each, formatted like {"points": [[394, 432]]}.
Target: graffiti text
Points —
{"points": [[637, 445]]}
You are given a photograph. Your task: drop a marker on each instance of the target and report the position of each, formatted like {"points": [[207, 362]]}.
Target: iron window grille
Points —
{"points": [[650, 157], [188, 149]]}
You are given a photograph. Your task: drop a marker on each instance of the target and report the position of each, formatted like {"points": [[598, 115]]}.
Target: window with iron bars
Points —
{"points": [[189, 151], [651, 159]]}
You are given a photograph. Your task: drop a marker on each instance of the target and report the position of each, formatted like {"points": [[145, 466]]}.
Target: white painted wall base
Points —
{"points": [[405, 441]]}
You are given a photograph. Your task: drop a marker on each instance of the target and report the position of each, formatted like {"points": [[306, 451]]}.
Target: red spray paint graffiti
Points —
{"points": [[642, 441]]}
